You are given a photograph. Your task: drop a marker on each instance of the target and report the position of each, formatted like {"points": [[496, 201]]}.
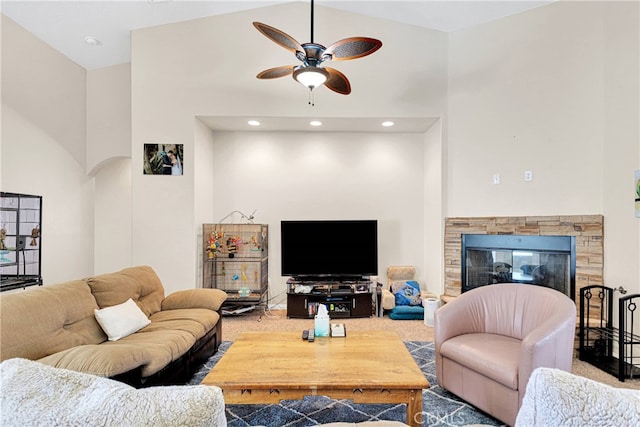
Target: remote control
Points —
{"points": [[305, 334], [312, 335]]}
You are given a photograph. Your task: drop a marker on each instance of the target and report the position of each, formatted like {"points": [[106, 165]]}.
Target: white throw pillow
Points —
{"points": [[121, 320]]}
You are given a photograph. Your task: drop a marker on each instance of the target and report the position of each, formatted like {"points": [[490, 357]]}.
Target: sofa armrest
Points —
{"points": [[211, 299]]}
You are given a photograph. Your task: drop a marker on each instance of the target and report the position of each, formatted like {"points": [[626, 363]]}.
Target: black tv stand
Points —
{"points": [[328, 278], [352, 297]]}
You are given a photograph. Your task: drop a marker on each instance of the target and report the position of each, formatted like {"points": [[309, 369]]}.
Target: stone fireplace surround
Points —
{"points": [[588, 230]]}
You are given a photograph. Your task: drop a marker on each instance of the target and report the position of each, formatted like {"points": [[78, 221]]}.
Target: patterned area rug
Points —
{"points": [[440, 408]]}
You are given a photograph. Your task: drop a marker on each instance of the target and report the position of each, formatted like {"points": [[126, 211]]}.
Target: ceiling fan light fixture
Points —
{"points": [[311, 77]]}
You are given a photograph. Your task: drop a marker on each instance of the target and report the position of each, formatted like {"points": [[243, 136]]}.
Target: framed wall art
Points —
{"points": [[163, 159]]}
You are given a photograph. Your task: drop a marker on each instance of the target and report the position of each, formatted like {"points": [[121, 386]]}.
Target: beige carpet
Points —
{"points": [[408, 330]]}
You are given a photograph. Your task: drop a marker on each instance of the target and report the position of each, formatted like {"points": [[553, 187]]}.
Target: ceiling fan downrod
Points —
{"points": [[311, 21]]}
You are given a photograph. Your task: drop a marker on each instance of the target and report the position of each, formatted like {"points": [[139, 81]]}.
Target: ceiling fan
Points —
{"points": [[312, 55]]}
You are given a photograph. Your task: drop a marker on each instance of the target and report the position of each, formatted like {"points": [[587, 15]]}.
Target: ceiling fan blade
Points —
{"points": [[351, 48], [337, 82], [276, 72], [279, 37]]}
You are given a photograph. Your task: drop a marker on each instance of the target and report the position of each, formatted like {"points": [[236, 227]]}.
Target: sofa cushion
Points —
{"points": [[407, 312], [101, 360], [35, 394], [494, 356], [141, 284], [119, 321], [43, 320], [161, 346], [196, 321]]}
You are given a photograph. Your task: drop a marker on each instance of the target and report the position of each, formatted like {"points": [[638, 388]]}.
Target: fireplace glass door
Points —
{"points": [[537, 260]]}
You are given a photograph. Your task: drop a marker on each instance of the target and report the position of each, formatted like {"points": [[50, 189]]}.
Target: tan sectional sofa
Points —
{"points": [[56, 325]]}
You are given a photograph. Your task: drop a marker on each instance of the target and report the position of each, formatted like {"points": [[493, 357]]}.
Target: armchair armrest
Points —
{"points": [[451, 320], [388, 300], [211, 299], [540, 348]]}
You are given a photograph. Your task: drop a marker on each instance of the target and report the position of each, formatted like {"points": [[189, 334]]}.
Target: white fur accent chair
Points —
{"points": [[558, 398], [34, 394]]}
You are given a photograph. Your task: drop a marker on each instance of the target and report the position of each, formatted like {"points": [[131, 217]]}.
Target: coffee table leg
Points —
{"points": [[414, 408]]}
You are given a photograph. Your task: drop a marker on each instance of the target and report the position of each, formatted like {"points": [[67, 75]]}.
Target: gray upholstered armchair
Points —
{"points": [[489, 340]]}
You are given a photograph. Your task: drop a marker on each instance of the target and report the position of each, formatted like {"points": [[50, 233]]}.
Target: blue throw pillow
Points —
{"points": [[408, 293]]}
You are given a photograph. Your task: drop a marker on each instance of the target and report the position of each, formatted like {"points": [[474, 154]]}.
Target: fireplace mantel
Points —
{"points": [[587, 229]]}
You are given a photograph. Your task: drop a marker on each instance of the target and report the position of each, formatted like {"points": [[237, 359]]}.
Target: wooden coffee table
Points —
{"points": [[366, 367]]}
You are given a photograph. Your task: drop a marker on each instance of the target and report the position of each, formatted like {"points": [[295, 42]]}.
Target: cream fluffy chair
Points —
{"points": [[396, 275], [489, 340]]}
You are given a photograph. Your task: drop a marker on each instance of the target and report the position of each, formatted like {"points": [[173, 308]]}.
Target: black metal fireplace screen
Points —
{"points": [[540, 260], [614, 349]]}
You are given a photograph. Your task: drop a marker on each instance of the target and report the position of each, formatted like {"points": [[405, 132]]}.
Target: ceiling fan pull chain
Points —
{"points": [[311, 99]]}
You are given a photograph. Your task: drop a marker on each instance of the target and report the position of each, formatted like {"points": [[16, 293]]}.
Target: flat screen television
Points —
{"points": [[340, 249]]}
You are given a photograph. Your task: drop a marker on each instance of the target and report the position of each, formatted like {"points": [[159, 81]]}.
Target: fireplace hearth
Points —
{"points": [[548, 261]]}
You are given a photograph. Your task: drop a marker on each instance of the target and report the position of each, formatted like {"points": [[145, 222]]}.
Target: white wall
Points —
{"points": [[30, 158], [45, 87], [112, 228], [43, 148], [554, 91], [108, 115], [109, 161], [184, 70], [434, 190], [303, 176], [621, 144], [203, 164]]}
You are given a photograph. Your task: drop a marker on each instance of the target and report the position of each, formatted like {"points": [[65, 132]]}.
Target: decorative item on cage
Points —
{"points": [[35, 233], [232, 245], [243, 273], [3, 235], [215, 244], [255, 243]]}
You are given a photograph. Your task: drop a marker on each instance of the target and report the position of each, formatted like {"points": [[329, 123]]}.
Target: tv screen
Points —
{"points": [[332, 248]]}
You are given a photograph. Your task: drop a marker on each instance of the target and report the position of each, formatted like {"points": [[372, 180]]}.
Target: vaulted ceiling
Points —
{"points": [[64, 25]]}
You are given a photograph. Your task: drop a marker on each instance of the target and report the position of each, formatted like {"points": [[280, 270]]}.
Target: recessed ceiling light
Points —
{"points": [[92, 41], [387, 124], [315, 123], [253, 123]]}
